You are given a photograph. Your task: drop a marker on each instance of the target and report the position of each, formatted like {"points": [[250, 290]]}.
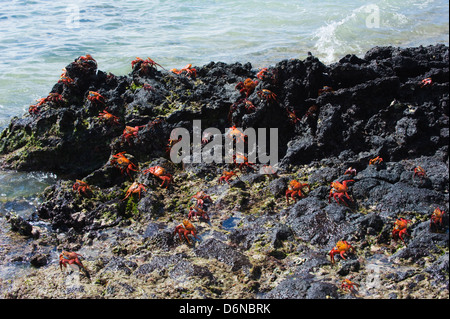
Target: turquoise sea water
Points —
{"points": [[38, 38]]}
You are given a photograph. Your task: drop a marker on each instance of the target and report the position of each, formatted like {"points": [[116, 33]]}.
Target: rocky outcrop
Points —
{"points": [[329, 119]]}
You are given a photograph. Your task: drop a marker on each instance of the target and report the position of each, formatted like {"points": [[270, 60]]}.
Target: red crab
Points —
{"points": [[73, 260], [188, 69], [185, 229], [96, 97], [130, 132], [123, 163], [247, 87], [135, 188], [195, 211], [295, 189], [160, 172], [267, 95], [376, 160], [201, 196], [339, 191], [400, 228], [64, 78], [105, 115], [419, 172], [241, 161], [348, 285], [52, 97], [237, 134], [436, 217], [86, 61], [342, 247], [263, 74], [226, 176], [292, 116], [145, 65], [81, 187], [426, 82]]}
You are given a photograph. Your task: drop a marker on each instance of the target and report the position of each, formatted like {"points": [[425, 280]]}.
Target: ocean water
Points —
{"points": [[40, 37]]}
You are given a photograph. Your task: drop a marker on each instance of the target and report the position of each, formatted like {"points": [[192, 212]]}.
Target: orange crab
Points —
{"points": [[436, 217], [226, 176], [64, 78], [400, 228], [342, 247], [237, 134], [96, 97], [73, 260], [185, 229], [295, 190], [123, 163], [376, 160], [241, 161], [201, 196], [247, 87], [105, 115], [145, 65], [188, 69], [292, 116], [52, 97], [160, 172], [348, 285], [267, 95], [263, 74], [135, 188], [419, 172], [86, 61], [81, 187], [426, 82], [339, 191], [130, 132], [195, 211], [325, 89]]}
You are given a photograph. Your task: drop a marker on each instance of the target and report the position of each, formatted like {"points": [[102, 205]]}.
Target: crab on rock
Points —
{"points": [[348, 285], [96, 97], [195, 211], [295, 189], [130, 132], [72, 259], [81, 187], [123, 163], [339, 191], [342, 247], [226, 176], [247, 87], [267, 95], [436, 217], [188, 69], [400, 228], [201, 196], [419, 172], [185, 229], [160, 172], [135, 188], [105, 115]]}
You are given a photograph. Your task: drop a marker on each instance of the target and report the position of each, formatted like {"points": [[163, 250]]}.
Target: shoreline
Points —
{"points": [[329, 118]]}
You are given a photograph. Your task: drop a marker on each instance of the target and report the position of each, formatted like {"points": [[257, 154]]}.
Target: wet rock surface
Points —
{"points": [[332, 122]]}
